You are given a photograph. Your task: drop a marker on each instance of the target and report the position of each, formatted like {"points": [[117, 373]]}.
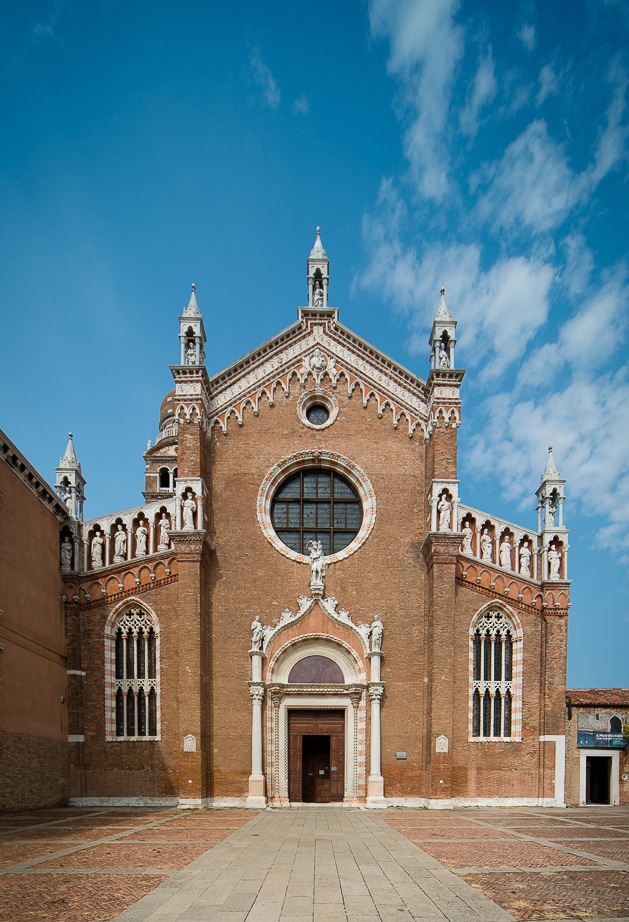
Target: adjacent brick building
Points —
{"points": [[33, 708], [305, 607], [597, 763]]}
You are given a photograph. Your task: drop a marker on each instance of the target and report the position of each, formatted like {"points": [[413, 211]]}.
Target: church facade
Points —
{"points": [[305, 608]]}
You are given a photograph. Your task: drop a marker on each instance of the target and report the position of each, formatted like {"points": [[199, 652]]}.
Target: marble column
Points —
{"points": [[375, 781], [257, 797]]}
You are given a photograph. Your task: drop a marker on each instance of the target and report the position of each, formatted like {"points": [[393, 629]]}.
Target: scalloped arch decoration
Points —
{"points": [[334, 374]]}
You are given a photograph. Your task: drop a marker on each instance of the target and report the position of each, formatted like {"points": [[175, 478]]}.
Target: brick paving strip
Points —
{"points": [[328, 864], [537, 864], [77, 865]]}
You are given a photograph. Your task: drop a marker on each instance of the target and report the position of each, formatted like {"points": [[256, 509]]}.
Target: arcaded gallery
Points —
{"points": [[306, 606]]}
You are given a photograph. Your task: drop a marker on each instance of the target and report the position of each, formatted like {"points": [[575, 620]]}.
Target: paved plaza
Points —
{"points": [[320, 863]]}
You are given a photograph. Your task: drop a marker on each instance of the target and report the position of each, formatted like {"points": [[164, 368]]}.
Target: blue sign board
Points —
{"points": [[590, 739]]}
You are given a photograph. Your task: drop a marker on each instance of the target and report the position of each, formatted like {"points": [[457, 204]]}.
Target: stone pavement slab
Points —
{"points": [[308, 865]]}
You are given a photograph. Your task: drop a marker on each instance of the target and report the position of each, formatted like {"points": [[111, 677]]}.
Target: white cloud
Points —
{"points": [[500, 309], [301, 106], [483, 92], [548, 84], [597, 330], [611, 145], [532, 186], [516, 433], [426, 47], [264, 79], [526, 34]]}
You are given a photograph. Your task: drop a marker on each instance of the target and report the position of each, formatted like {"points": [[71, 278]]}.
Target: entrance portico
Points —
{"points": [[311, 744]]}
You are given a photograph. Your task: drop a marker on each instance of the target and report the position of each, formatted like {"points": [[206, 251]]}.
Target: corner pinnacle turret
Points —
{"points": [[318, 274]]}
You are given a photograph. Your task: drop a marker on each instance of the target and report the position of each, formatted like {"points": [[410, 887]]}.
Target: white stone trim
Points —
{"points": [[297, 649], [328, 460], [110, 669], [560, 766], [277, 755], [317, 396], [516, 684], [614, 781]]}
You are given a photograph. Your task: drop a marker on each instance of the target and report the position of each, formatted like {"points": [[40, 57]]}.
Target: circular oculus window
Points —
{"points": [[317, 409], [316, 496]]}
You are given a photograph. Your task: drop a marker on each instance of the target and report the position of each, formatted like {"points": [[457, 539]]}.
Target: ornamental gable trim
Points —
{"points": [[315, 349]]}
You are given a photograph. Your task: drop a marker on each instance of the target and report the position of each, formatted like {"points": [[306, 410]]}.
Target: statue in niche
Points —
{"points": [[505, 553], [141, 537], [551, 509], [317, 296], [466, 544], [486, 545], [257, 634], [189, 508], [120, 544], [164, 537], [525, 559], [317, 562], [66, 554], [191, 353], [444, 508], [376, 634], [554, 559], [444, 358], [97, 550]]}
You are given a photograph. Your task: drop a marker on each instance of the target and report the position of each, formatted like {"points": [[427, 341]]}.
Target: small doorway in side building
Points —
{"points": [[598, 780], [316, 771]]}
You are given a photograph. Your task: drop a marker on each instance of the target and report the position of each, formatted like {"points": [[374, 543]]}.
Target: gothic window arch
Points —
{"points": [[132, 674], [496, 676]]}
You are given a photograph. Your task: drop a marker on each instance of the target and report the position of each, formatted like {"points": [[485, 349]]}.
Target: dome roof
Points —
{"points": [[167, 409]]}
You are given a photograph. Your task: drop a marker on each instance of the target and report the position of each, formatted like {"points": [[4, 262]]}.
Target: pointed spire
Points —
{"points": [[192, 336], [551, 472], [70, 482], [442, 312], [317, 251], [192, 310], [69, 458], [443, 336], [318, 274]]}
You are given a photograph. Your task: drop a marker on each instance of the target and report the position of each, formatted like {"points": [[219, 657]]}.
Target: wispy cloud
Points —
{"points": [[483, 91], [541, 320], [426, 47], [301, 106], [264, 79], [526, 34], [532, 185]]}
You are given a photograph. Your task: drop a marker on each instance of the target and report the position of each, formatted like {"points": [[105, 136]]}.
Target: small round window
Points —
{"points": [[317, 414], [316, 505]]}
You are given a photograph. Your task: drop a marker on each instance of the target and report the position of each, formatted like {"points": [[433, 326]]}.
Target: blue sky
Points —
{"points": [[478, 146]]}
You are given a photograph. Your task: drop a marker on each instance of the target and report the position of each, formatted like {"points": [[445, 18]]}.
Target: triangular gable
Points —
{"points": [[319, 347]]}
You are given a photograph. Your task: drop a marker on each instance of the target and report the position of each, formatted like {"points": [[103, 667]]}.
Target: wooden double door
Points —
{"points": [[316, 756]]}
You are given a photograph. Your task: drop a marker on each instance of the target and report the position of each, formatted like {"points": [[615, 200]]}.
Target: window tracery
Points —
{"points": [[134, 658], [495, 664]]}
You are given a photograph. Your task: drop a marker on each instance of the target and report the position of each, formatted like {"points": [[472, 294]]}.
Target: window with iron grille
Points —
{"points": [[316, 505]]}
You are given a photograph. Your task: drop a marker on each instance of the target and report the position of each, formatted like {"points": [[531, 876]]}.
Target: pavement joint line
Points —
{"points": [[607, 863]]}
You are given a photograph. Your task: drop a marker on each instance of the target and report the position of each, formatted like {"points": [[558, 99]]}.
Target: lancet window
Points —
{"points": [[135, 660], [495, 665]]}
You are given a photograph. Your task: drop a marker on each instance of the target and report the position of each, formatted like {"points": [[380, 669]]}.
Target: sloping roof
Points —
{"points": [[598, 697]]}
